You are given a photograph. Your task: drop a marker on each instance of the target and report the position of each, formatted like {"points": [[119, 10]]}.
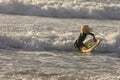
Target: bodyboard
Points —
{"points": [[91, 45]]}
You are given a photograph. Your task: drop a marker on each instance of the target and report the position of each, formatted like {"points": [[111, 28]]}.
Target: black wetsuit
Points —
{"points": [[79, 42]]}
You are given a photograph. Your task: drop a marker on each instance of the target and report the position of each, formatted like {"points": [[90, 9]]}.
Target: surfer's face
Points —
{"points": [[86, 30]]}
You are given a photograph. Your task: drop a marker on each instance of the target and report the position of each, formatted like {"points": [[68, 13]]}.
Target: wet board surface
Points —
{"points": [[91, 45]]}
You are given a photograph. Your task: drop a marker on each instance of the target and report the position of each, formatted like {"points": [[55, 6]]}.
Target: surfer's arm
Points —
{"points": [[93, 36]]}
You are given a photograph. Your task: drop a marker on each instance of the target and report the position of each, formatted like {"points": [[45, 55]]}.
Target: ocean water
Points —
{"points": [[37, 36]]}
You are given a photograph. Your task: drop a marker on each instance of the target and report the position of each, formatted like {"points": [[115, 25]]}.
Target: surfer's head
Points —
{"points": [[85, 29]]}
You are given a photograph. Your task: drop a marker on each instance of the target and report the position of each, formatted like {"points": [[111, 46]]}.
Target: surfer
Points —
{"points": [[84, 31]]}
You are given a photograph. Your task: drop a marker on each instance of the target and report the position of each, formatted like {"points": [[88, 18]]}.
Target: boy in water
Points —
{"points": [[85, 30]]}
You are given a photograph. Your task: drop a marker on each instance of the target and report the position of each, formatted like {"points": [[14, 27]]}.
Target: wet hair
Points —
{"points": [[85, 29]]}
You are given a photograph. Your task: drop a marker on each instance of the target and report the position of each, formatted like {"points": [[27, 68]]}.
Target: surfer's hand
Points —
{"points": [[86, 47], [94, 39]]}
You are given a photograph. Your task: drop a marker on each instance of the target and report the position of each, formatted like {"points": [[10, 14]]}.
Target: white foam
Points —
{"points": [[99, 9], [110, 43], [52, 41], [34, 33]]}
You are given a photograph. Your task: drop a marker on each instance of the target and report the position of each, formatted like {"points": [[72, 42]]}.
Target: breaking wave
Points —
{"points": [[98, 9], [111, 44], [52, 42], [46, 43]]}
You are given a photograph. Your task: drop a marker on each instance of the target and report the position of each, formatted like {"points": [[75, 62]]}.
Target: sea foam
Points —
{"points": [[98, 9]]}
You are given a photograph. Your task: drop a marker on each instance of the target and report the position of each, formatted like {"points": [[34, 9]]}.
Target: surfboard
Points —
{"points": [[91, 45]]}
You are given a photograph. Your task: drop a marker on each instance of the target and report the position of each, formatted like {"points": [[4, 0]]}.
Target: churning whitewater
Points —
{"points": [[55, 34], [37, 37]]}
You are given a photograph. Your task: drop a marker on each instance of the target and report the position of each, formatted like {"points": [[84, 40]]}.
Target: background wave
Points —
{"points": [[98, 9]]}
